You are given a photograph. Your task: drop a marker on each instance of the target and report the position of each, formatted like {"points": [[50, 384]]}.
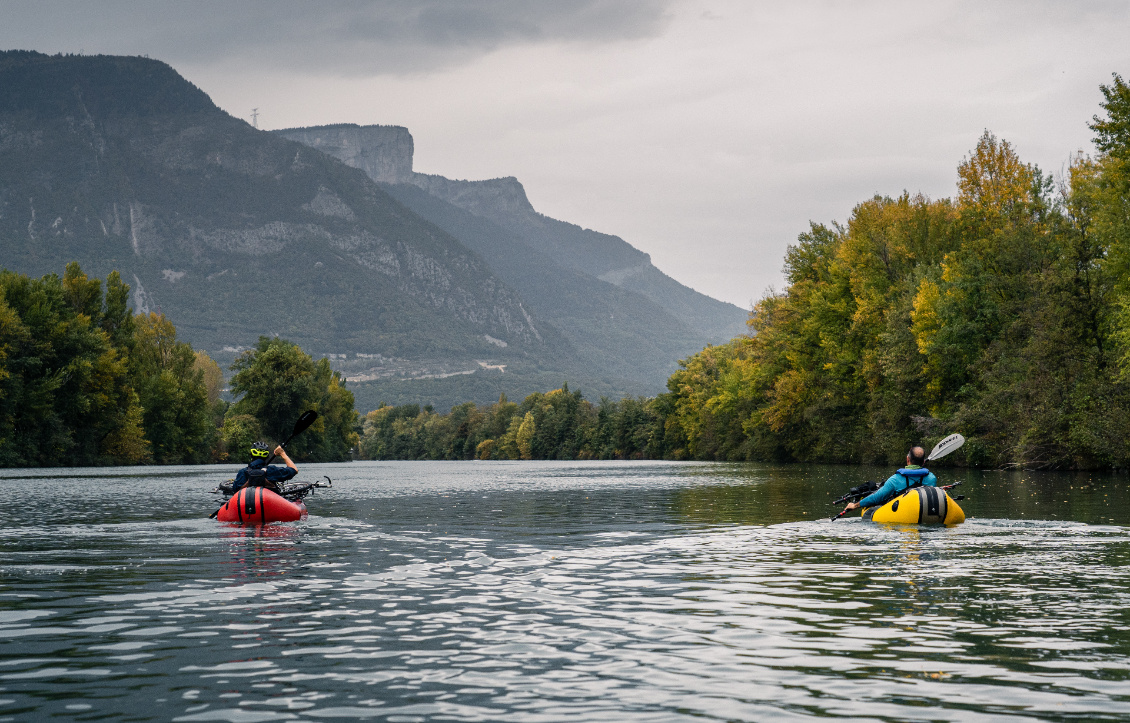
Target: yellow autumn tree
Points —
{"points": [[525, 436]]}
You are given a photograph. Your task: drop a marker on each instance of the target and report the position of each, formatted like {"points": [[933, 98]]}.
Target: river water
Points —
{"points": [[533, 592]]}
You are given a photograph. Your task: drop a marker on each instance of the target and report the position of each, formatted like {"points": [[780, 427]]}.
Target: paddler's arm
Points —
{"points": [[280, 452], [879, 496]]}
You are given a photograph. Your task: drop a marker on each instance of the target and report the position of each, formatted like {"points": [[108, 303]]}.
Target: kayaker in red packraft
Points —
{"points": [[258, 473]]}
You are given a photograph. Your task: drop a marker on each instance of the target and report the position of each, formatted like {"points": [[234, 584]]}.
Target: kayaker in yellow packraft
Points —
{"points": [[912, 475]]}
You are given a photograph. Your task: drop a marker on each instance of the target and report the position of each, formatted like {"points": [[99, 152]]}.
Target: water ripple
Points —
{"points": [[550, 611]]}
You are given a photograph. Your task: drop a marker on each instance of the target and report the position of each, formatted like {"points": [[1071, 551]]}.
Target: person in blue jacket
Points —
{"points": [[259, 473], [912, 475]]}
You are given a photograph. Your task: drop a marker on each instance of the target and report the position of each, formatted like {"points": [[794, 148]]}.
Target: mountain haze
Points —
{"points": [[613, 329]]}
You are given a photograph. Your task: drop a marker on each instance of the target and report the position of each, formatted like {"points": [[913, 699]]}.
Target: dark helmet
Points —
{"points": [[260, 450]]}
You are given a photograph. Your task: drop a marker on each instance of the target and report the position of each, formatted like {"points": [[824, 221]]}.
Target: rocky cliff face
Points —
{"points": [[121, 164], [382, 152], [503, 202], [492, 198]]}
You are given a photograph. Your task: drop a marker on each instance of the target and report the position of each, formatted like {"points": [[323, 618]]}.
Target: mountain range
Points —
{"points": [[419, 288]]}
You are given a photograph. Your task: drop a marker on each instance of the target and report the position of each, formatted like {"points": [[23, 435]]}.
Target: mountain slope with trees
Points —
{"points": [[612, 328], [120, 164], [605, 295], [231, 232]]}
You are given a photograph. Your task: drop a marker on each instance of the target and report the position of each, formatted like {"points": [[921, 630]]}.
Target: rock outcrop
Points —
{"points": [[503, 202], [382, 152]]}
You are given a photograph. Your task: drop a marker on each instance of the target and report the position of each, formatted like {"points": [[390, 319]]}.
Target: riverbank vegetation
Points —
{"points": [[557, 425], [1002, 313], [84, 381]]}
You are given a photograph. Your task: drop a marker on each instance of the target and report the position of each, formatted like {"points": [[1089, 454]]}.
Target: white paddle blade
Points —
{"points": [[947, 445]]}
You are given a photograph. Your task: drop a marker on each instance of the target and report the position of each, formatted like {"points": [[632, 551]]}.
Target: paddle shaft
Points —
{"points": [[305, 420]]}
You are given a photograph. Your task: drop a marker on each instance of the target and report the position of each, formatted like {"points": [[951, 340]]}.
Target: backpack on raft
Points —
{"points": [[257, 477]]}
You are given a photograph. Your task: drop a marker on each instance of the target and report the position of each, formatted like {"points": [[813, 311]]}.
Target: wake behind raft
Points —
{"points": [[261, 505]]}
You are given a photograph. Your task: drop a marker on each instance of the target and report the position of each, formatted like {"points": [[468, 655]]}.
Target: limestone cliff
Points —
{"points": [[121, 164], [503, 202], [382, 152]]}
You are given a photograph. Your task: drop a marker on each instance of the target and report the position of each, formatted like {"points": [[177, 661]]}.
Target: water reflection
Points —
{"points": [[536, 591]]}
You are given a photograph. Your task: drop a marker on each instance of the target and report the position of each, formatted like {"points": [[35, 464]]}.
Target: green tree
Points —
{"points": [[337, 416], [66, 397], [524, 437], [177, 417], [276, 381], [1103, 188], [238, 433], [1112, 134]]}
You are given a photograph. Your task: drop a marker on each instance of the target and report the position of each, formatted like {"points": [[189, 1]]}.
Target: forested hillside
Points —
{"points": [[625, 334], [1002, 313], [120, 164]]}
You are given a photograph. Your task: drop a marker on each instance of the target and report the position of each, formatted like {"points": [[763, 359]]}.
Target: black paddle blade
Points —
{"points": [[305, 420]]}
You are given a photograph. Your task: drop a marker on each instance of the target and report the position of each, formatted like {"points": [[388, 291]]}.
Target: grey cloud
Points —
{"points": [[346, 37]]}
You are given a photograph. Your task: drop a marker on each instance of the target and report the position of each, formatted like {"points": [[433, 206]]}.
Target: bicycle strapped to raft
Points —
{"points": [[290, 492]]}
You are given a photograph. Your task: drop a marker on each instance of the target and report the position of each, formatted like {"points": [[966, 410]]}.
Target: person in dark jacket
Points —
{"points": [[912, 475], [259, 473]]}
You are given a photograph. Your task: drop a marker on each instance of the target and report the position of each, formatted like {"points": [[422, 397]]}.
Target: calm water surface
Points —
{"points": [[561, 591]]}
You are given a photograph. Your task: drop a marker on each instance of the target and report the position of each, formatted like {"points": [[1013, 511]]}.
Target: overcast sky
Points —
{"points": [[705, 133]]}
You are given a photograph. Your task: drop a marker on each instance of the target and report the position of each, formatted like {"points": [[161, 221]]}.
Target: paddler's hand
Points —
{"points": [[280, 452], [852, 506]]}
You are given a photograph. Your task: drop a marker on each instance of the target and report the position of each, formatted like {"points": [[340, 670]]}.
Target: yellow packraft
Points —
{"points": [[918, 505]]}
